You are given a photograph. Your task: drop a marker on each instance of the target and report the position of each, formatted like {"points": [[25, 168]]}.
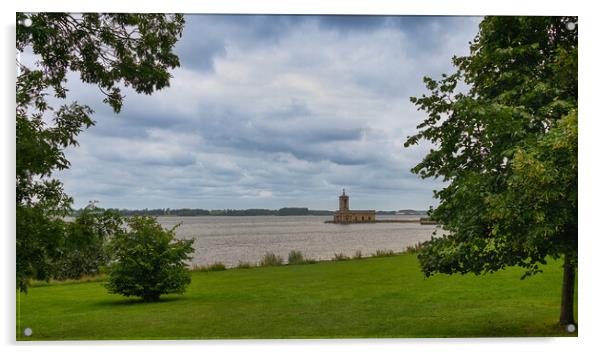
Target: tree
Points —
{"points": [[147, 261], [507, 148], [83, 247], [108, 50]]}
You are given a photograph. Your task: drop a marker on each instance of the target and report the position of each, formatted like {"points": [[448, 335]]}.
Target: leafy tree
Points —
{"points": [[147, 261], [82, 250], [38, 240], [507, 148], [108, 50]]}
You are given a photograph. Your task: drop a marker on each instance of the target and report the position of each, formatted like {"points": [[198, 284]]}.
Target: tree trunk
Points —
{"points": [[568, 292], [151, 297]]}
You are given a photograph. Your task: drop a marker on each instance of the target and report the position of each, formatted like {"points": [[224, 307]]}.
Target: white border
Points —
{"points": [[589, 157], [378, 7]]}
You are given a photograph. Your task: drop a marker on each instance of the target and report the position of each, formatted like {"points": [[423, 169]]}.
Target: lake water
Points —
{"points": [[231, 239]]}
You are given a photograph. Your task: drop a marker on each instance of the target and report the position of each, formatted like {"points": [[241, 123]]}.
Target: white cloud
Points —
{"points": [[265, 194]]}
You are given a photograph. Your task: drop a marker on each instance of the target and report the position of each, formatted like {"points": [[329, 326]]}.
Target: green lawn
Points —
{"points": [[375, 297]]}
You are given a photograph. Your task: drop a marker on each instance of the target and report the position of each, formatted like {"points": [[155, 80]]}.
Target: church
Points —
{"points": [[346, 216]]}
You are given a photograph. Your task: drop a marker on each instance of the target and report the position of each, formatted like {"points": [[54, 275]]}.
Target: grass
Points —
{"points": [[384, 253], [244, 265], [415, 248], [83, 279], [340, 257], [295, 257], [215, 267], [371, 297]]}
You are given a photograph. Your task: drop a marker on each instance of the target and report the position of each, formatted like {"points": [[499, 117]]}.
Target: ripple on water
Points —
{"points": [[234, 239]]}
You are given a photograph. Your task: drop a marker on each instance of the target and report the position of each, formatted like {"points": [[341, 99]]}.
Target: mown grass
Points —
{"points": [[370, 297]]}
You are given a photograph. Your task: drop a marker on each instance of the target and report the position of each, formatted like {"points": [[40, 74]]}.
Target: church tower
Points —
{"points": [[346, 216], [343, 202]]}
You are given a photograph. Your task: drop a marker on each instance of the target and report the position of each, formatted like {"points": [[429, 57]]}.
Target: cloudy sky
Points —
{"points": [[272, 111]]}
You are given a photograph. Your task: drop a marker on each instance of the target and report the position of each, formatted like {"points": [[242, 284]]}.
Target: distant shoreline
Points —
{"points": [[289, 211]]}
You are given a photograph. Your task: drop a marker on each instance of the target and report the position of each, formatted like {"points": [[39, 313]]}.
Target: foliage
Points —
{"points": [[38, 240], [270, 259], [357, 254], [511, 197], [295, 257], [147, 261], [83, 251], [108, 50], [293, 211]]}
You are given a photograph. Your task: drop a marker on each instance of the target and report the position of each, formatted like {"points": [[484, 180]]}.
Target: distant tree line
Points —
{"points": [[215, 212], [410, 212], [239, 212]]}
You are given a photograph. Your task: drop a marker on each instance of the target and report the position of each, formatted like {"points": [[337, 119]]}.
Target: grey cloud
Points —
{"points": [[296, 108], [206, 37], [272, 111]]}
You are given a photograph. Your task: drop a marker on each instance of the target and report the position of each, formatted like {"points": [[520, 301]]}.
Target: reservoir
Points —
{"points": [[234, 239]]}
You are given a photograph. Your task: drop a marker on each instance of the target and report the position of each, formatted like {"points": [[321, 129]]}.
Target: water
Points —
{"points": [[232, 239]]}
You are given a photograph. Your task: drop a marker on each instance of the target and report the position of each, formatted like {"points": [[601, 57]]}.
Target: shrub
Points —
{"points": [[295, 257], [384, 253], [357, 255], [215, 267], [147, 261], [340, 257], [270, 259]]}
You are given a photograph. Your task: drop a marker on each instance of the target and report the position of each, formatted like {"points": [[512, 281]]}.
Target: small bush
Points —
{"points": [[357, 255], [295, 257], [384, 253], [244, 265], [270, 259], [340, 257], [147, 260], [215, 267], [309, 261]]}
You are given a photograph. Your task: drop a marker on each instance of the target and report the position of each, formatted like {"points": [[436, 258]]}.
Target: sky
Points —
{"points": [[271, 112]]}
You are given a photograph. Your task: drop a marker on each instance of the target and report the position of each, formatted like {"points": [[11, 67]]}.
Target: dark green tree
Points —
{"points": [[107, 50], [83, 247], [147, 261], [507, 148]]}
